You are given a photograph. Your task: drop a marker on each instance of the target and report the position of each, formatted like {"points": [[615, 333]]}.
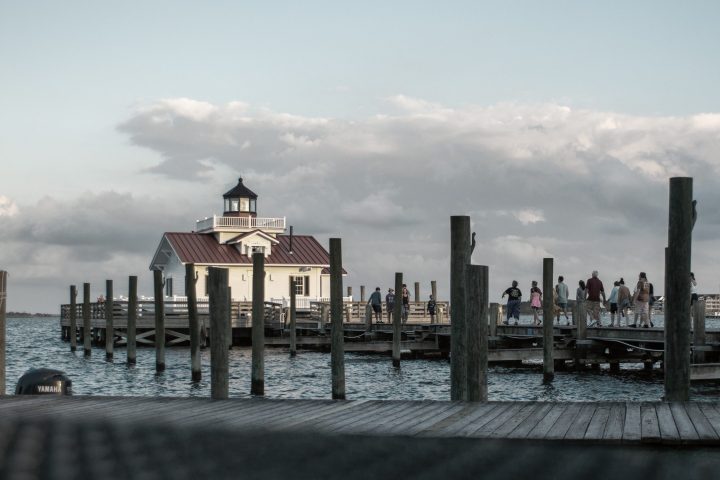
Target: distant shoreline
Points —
{"points": [[29, 315]]}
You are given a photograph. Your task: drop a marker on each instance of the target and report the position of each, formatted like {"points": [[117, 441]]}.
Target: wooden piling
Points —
{"points": [[494, 312], [581, 342], [73, 318], [87, 327], [293, 314], [433, 291], [459, 258], [219, 316], [699, 331], [132, 320], [191, 294], [362, 293], [397, 320], [349, 290], [3, 328], [476, 316], [159, 283], [230, 319], [257, 382], [677, 303], [109, 321], [337, 352], [417, 292], [548, 364]]}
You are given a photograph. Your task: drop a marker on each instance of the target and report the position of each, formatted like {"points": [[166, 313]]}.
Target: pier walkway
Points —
{"points": [[46, 437], [692, 423]]}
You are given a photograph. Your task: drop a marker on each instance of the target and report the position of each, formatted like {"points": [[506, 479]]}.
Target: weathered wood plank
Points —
{"points": [[632, 431], [479, 422], [512, 423], [580, 424], [429, 423], [563, 423], [666, 422], [649, 428], [546, 423], [702, 425], [499, 421], [428, 414], [459, 420], [598, 423], [712, 415], [531, 421], [685, 426], [615, 424]]}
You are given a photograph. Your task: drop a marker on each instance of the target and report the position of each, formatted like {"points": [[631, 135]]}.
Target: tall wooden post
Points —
{"points": [[191, 294], [476, 311], [362, 293], [293, 330], [337, 353], [219, 316], [494, 312], [417, 292], [459, 258], [87, 327], [548, 363], [397, 320], [109, 321], [159, 321], [433, 291], [699, 331], [132, 320], [677, 304], [230, 318], [73, 318], [349, 290], [257, 382], [3, 328]]}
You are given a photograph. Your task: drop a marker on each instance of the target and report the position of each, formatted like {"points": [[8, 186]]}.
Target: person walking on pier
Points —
{"points": [[613, 300], [376, 302], [535, 301], [431, 306], [693, 289], [561, 290], [594, 291], [580, 295], [390, 304], [641, 297], [624, 298], [513, 304], [405, 303]]}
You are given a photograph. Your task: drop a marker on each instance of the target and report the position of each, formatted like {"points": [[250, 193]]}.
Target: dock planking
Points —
{"points": [[673, 423]]}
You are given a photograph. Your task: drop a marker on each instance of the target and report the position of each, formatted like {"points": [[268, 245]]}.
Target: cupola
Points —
{"points": [[240, 201]]}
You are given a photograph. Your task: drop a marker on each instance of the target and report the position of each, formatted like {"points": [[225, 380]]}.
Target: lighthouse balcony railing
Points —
{"points": [[223, 223]]}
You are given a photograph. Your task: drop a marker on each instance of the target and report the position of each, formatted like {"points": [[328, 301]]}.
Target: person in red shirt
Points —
{"points": [[594, 291]]}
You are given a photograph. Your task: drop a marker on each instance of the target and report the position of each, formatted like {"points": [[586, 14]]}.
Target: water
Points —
{"points": [[36, 343]]}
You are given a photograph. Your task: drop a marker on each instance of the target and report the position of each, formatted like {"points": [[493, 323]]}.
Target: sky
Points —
{"points": [[554, 125]]}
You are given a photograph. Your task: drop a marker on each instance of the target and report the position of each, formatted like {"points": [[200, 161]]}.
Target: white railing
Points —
{"points": [[304, 302], [220, 223]]}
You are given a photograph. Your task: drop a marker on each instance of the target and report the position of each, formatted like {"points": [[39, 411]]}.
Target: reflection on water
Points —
{"points": [[36, 343]]}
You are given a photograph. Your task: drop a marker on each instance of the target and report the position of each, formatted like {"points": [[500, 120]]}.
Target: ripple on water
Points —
{"points": [[36, 343]]}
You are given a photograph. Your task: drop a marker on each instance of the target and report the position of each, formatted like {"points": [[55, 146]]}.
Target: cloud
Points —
{"points": [[588, 188]]}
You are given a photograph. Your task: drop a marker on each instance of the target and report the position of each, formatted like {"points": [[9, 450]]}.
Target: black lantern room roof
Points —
{"points": [[240, 190]]}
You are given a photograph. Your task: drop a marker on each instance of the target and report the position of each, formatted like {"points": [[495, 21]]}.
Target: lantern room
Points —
{"points": [[240, 201]]}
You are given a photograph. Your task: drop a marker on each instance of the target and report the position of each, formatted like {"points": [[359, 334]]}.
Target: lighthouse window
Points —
{"points": [[244, 204], [301, 284], [234, 204], [252, 205]]}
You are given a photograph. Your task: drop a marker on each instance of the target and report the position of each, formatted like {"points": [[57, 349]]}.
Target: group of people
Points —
{"points": [[592, 293], [375, 302]]}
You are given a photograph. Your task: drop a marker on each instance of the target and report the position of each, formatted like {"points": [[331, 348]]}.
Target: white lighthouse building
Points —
{"points": [[291, 261]]}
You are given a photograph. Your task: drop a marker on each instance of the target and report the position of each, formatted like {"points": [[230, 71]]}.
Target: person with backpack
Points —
{"points": [[431, 306], [405, 303], [375, 302], [390, 304], [641, 299]]}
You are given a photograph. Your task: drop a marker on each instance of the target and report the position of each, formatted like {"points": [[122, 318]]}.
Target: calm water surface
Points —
{"points": [[36, 343]]}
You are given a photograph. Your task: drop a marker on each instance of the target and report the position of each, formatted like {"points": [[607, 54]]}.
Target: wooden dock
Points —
{"points": [[693, 423]]}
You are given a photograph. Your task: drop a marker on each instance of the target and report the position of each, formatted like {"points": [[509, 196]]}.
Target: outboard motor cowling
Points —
{"points": [[44, 381]]}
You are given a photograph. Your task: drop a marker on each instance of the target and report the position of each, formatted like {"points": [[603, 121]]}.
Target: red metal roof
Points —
{"points": [[204, 249]]}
